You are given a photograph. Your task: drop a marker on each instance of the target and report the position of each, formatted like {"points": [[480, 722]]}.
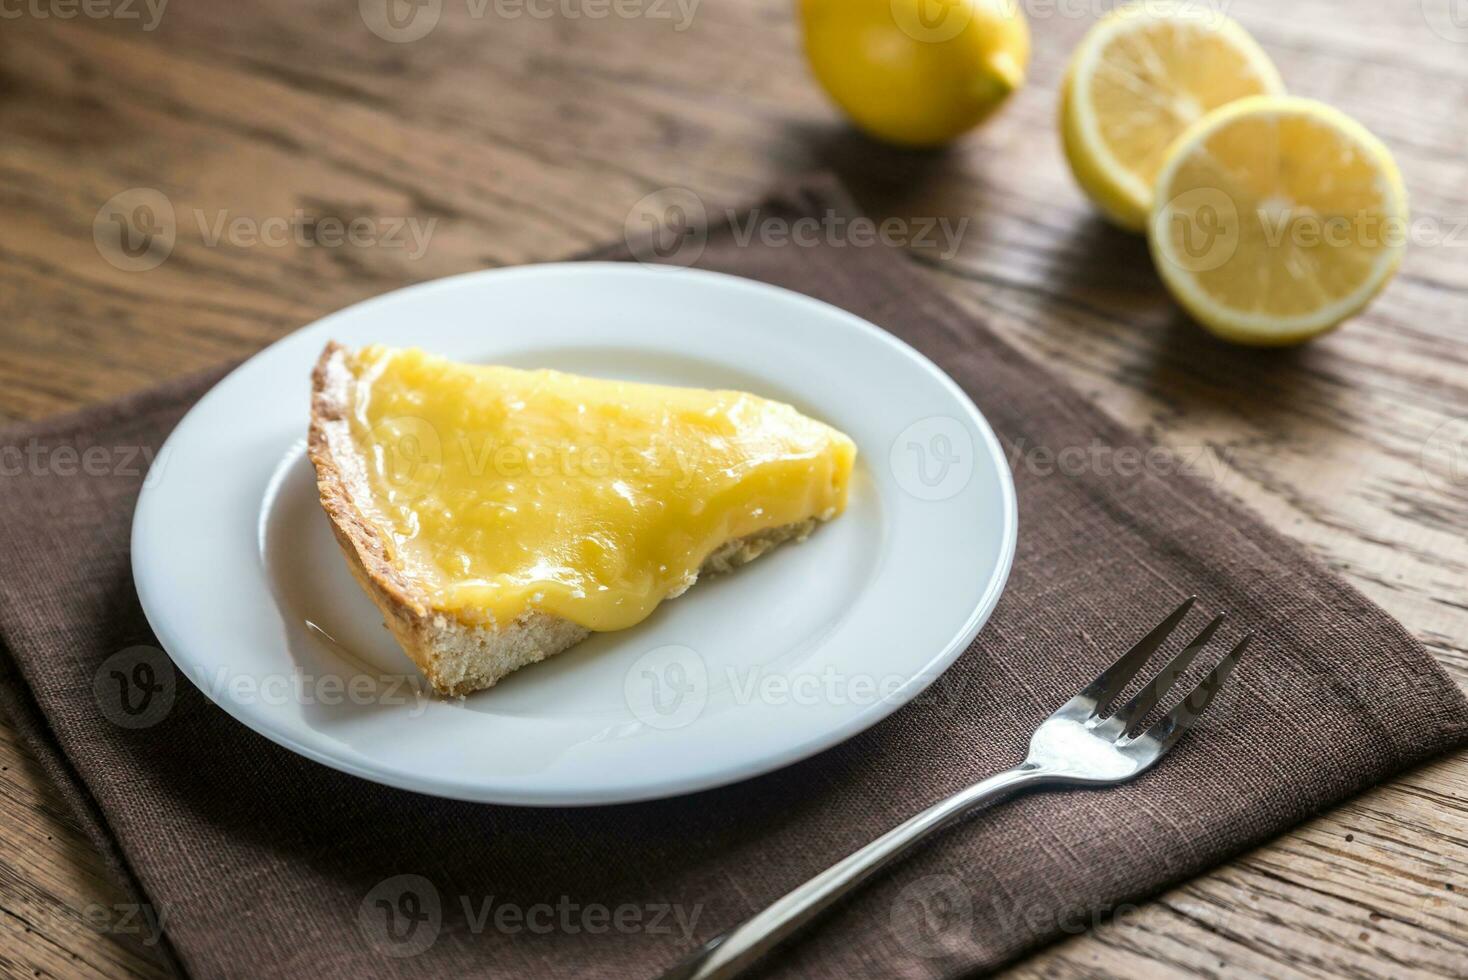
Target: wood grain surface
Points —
{"points": [[518, 132]]}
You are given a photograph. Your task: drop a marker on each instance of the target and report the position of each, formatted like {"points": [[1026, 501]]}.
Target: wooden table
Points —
{"points": [[524, 138]]}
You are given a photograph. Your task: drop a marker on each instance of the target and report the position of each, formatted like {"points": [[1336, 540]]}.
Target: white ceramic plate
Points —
{"points": [[248, 593]]}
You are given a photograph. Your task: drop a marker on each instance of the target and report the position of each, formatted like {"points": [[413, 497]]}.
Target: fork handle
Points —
{"points": [[736, 950]]}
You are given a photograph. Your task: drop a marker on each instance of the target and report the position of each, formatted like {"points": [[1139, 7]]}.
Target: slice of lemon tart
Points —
{"points": [[497, 516]]}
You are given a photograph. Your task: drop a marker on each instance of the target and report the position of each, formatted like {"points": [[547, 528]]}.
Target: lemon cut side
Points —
{"points": [[1277, 219], [1142, 76]]}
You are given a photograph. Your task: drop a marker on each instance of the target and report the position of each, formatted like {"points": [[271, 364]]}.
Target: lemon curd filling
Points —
{"points": [[503, 491]]}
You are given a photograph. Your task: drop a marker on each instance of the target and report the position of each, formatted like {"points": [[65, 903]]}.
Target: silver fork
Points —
{"points": [[1079, 744]]}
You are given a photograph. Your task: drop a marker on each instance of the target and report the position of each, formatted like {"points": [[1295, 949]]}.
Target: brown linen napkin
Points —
{"points": [[261, 863]]}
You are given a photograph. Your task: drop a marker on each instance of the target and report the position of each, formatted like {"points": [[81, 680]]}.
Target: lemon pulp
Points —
{"points": [[1277, 219], [1143, 75]]}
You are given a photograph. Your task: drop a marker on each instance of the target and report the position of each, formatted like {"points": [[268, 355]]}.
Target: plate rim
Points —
{"points": [[479, 792]]}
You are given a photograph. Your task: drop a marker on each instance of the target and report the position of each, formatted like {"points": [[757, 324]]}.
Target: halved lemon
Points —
{"points": [[1143, 75], [1276, 219]]}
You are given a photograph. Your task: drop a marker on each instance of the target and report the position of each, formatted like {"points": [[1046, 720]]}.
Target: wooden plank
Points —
{"points": [[525, 139]]}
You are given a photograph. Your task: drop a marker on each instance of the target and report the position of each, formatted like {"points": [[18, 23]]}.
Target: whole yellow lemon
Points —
{"points": [[917, 72]]}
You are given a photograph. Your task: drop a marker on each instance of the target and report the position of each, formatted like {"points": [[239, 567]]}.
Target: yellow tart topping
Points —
{"points": [[501, 491]]}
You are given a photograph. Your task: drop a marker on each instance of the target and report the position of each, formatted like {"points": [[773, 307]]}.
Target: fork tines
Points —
{"points": [[1099, 695]]}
